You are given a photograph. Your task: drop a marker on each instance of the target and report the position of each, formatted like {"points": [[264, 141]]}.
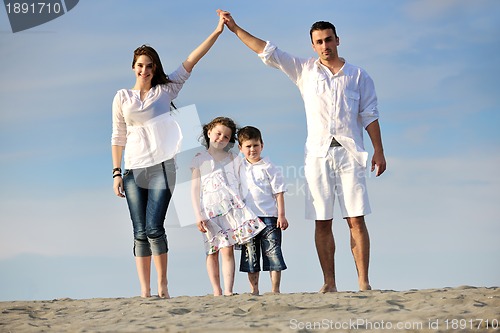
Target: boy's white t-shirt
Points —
{"points": [[260, 182]]}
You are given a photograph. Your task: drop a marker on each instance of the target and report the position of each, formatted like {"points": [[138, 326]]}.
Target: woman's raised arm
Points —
{"points": [[204, 47]]}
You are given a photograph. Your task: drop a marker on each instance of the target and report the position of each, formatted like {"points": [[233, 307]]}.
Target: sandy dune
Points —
{"points": [[465, 309]]}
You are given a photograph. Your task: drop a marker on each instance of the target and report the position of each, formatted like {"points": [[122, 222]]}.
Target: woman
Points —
{"points": [[142, 124]]}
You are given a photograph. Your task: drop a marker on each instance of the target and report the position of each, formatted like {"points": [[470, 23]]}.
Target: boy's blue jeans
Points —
{"points": [[267, 243], [148, 192]]}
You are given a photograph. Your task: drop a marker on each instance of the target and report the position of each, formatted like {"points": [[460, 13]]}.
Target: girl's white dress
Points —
{"points": [[229, 221]]}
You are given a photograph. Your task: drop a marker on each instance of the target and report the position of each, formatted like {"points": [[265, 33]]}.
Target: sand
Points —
{"points": [[462, 309]]}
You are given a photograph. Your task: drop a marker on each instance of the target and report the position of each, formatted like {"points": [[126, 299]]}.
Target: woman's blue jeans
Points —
{"points": [[148, 192]]}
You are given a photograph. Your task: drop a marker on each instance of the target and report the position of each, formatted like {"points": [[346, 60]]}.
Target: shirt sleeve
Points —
{"points": [[274, 57], [119, 132], [177, 78], [195, 162], [276, 179], [368, 109]]}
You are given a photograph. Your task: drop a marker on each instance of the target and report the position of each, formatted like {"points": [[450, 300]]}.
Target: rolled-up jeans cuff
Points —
{"points": [[142, 248], [159, 245]]}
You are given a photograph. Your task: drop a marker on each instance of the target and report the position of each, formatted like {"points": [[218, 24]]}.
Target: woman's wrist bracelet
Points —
{"points": [[117, 169], [117, 175]]}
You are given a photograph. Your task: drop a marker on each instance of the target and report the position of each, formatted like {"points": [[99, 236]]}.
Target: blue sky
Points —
{"points": [[435, 66]]}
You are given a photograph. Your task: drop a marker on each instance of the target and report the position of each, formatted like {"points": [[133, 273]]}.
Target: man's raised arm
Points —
{"points": [[255, 44]]}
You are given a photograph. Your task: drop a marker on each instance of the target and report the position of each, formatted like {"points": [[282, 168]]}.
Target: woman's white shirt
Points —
{"points": [[146, 128]]}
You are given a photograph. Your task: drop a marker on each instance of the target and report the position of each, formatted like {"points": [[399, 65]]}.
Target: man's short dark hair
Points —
{"points": [[322, 25], [249, 133]]}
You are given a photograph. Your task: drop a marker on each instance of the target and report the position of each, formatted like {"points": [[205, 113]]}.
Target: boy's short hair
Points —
{"points": [[249, 133]]}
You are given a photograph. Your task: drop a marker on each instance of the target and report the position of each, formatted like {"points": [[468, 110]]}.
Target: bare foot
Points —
{"points": [[364, 287], [217, 290], [145, 293], [163, 290], [328, 289]]}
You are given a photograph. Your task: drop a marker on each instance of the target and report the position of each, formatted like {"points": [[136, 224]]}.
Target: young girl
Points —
{"points": [[220, 212]]}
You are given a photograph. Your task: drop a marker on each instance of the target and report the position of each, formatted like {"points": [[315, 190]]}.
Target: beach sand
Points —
{"points": [[462, 309]]}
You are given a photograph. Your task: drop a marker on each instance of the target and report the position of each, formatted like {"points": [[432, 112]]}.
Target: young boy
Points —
{"points": [[263, 190]]}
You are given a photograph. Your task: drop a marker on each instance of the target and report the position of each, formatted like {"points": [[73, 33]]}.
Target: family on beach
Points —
{"points": [[238, 199]]}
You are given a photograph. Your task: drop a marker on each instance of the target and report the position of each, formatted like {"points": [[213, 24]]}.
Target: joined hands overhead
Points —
{"points": [[227, 19]]}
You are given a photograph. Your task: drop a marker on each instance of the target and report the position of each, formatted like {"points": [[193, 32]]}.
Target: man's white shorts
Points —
{"points": [[337, 174]]}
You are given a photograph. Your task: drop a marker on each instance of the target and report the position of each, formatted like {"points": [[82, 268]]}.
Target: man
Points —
{"points": [[339, 101]]}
